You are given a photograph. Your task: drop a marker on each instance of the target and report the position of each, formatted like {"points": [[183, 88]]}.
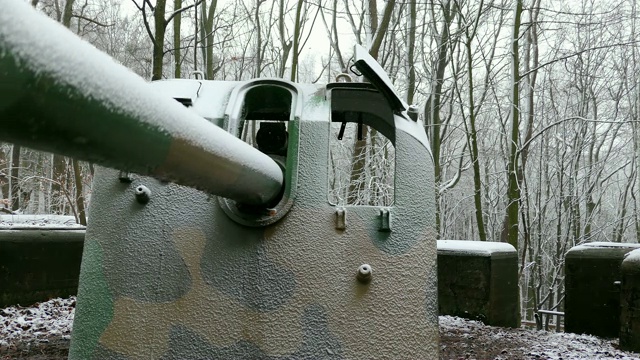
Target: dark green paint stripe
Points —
{"points": [[44, 113]]}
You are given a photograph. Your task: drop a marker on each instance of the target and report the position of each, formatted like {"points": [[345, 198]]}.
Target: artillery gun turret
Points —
{"points": [[202, 245]]}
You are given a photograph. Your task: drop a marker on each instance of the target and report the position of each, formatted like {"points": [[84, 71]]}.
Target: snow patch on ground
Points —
{"points": [[530, 344], [38, 322], [460, 338]]}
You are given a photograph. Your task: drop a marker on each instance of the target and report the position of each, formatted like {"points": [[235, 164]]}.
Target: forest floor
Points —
{"points": [[43, 331]]}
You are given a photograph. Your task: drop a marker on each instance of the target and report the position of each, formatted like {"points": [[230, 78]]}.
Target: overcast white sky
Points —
{"points": [[315, 48]]}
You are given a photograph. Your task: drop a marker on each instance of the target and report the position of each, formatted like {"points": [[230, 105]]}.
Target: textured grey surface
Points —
{"points": [[178, 278]]}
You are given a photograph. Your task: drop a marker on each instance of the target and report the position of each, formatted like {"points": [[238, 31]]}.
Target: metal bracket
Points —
{"points": [[124, 177], [341, 218], [413, 112], [385, 219]]}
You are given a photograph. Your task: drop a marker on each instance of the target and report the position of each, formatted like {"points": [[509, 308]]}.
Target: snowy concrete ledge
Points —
{"points": [[592, 288], [39, 258], [479, 280], [50, 222], [475, 248]]}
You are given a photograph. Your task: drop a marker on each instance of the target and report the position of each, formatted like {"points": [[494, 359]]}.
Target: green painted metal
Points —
{"points": [[62, 95], [189, 275]]}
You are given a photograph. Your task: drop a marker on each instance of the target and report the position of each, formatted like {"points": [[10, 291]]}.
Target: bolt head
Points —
{"points": [[143, 194], [364, 273]]}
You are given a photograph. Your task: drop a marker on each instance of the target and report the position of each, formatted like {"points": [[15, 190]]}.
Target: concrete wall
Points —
{"points": [[630, 302], [592, 298], [479, 281], [36, 265]]}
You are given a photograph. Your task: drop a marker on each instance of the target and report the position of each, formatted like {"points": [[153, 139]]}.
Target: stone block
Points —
{"points": [[592, 291], [479, 280], [39, 264]]}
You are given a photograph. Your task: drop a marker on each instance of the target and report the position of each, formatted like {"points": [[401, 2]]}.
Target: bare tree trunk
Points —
{"points": [[59, 162], [14, 178], [67, 13], [79, 198], [82, 218], [473, 134], [208, 15], [511, 224], [285, 43], [379, 32], [334, 36], [618, 233], [357, 178], [411, 85], [296, 43], [177, 52], [4, 179], [433, 104], [158, 40], [58, 168], [258, 55]]}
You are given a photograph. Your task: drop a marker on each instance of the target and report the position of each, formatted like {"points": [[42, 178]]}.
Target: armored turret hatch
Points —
{"points": [[371, 70], [184, 92], [363, 137]]}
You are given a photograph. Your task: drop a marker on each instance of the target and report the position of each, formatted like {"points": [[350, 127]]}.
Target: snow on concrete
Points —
{"points": [[632, 256], [38, 322], [14, 222], [602, 244], [483, 248]]}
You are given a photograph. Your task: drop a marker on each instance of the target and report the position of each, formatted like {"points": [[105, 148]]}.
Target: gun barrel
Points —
{"points": [[60, 94]]}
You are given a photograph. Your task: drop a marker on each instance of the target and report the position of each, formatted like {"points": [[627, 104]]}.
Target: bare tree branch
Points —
{"points": [[576, 54], [92, 20], [180, 11], [144, 19]]}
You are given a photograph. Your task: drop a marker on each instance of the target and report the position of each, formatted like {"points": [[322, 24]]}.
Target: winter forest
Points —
{"points": [[530, 106]]}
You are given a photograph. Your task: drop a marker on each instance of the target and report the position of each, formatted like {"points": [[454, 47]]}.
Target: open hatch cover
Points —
{"points": [[370, 69]]}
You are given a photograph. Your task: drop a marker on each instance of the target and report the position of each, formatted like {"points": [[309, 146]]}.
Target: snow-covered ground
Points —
{"points": [[37, 323], [460, 338], [466, 339]]}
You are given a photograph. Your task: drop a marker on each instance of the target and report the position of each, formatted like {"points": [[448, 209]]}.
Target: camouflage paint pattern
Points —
{"points": [[187, 276], [180, 278]]}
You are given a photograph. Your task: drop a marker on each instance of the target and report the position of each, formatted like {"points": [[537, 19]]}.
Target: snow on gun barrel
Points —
{"points": [[60, 94]]}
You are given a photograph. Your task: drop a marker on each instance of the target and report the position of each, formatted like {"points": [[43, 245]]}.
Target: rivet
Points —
{"points": [[143, 194], [364, 273]]}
